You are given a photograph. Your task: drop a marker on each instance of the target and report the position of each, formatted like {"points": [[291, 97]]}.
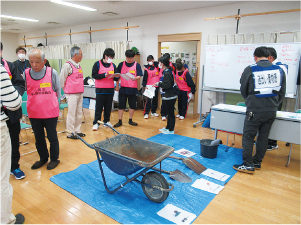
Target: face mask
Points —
{"points": [[160, 66], [21, 56], [150, 63], [109, 60]]}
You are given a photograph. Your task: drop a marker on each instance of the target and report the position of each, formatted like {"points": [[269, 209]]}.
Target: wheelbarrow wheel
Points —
{"points": [[155, 179]]}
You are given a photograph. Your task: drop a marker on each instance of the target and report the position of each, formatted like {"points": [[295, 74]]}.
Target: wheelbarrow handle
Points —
{"points": [[86, 143], [98, 121]]}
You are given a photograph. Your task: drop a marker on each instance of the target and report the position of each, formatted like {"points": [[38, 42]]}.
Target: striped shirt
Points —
{"points": [[10, 97]]}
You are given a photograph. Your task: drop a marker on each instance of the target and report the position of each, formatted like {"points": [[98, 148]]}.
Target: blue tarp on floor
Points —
{"points": [[129, 205]]}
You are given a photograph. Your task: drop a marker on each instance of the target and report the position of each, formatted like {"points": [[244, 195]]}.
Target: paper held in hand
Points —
{"points": [[127, 76], [149, 91], [113, 75]]}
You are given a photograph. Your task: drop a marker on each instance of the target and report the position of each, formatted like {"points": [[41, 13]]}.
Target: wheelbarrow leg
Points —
{"points": [[122, 185]]}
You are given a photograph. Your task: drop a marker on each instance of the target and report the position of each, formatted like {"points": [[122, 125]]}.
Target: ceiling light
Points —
{"points": [[19, 18], [110, 13], [73, 5]]}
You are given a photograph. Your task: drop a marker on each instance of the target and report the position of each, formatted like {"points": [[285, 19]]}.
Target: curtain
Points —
{"points": [[90, 50], [269, 37]]}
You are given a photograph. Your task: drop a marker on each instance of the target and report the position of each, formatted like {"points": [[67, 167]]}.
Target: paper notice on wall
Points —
{"points": [[206, 185], [216, 175], [149, 91], [176, 215]]}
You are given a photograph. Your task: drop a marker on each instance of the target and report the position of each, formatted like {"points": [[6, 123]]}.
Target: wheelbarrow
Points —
{"points": [[127, 155]]}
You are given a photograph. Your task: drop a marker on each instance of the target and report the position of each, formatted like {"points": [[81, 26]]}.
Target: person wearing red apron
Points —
{"points": [[43, 94], [187, 89], [151, 76], [13, 123], [128, 90], [105, 73], [71, 80]]}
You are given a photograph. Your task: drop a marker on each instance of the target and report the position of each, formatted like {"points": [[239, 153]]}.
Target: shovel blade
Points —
{"points": [[194, 165], [180, 176]]}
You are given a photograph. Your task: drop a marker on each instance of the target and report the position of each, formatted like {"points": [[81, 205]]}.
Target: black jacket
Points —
{"points": [[254, 103], [167, 85]]}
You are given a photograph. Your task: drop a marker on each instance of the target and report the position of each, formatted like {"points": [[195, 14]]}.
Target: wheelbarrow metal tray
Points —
{"points": [[125, 154]]}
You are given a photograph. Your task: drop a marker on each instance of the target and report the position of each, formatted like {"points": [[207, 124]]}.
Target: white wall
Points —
{"points": [[10, 43], [145, 38]]}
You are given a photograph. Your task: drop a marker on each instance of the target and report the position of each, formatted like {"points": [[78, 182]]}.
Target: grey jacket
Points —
{"points": [[253, 103]]}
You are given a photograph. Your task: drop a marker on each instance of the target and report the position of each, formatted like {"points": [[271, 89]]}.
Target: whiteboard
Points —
{"points": [[224, 64]]}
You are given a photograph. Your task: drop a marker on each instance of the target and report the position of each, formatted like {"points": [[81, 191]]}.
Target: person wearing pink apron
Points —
{"points": [[151, 76], [71, 80], [105, 74], [43, 94], [128, 90], [187, 89]]}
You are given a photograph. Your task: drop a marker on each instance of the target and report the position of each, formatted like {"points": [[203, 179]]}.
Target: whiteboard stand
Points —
{"points": [[210, 89]]}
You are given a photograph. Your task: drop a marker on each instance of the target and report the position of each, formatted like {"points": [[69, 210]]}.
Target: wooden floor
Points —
{"points": [[270, 196]]}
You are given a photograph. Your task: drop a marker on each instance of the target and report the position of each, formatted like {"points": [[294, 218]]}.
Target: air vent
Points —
{"points": [[54, 23], [110, 14], [14, 29], [115, 1]]}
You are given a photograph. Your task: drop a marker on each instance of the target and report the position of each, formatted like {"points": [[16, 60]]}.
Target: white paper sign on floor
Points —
{"points": [[206, 185], [176, 215], [216, 175], [185, 152]]}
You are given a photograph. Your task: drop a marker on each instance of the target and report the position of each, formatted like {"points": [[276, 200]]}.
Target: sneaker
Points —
{"points": [[20, 219], [163, 129], [118, 124], [257, 166], [177, 116], [163, 118], [146, 116], [272, 147], [181, 117], [107, 123], [168, 132], [244, 168], [95, 127], [154, 114], [19, 174]]}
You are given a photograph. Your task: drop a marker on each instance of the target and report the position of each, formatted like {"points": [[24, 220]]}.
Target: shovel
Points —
{"points": [[191, 164], [176, 175]]}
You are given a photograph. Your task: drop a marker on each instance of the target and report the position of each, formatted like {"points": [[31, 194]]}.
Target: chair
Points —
{"points": [[24, 127], [24, 107], [241, 104]]}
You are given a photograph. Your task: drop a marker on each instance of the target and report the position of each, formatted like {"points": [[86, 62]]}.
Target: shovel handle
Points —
{"points": [[163, 171], [175, 157]]}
